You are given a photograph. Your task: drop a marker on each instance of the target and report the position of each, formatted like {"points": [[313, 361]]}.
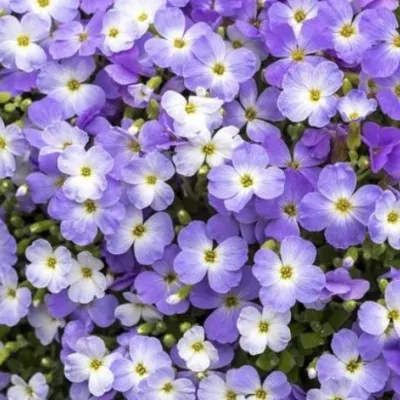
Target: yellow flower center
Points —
{"points": [[73, 85], [397, 90], [113, 32], [263, 327], [231, 301], [286, 272], [210, 256], [43, 3], [354, 116], [396, 41], [315, 95], [151, 180], [219, 69], [393, 217], [143, 17], [11, 293], [230, 395], [198, 346], [250, 114], [86, 272], [170, 279], [261, 394], [393, 315], [237, 44], [167, 388], [353, 366], [66, 144], [140, 369], [347, 30], [86, 172], [139, 230], [246, 181], [298, 55], [23, 41], [51, 262], [208, 149], [299, 16], [3, 143], [343, 205], [179, 43], [190, 108], [290, 209], [90, 206], [83, 37], [96, 364]]}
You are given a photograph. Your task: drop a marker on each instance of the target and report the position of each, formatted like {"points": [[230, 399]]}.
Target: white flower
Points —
{"points": [[130, 313], [87, 282], [35, 389], [195, 350], [261, 330]]}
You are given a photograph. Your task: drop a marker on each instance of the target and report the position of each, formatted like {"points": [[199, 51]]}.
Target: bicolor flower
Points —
{"points": [[217, 387], [332, 389], [19, 40], [218, 68], [337, 207], [86, 280], [388, 94], [146, 181], [149, 238], [91, 363], [35, 389], [14, 301], [86, 171], [194, 115], [197, 352], [206, 148], [200, 257], [262, 330], [48, 268], [384, 223], [375, 318], [247, 177], [355, 106], [289, 277], [366, 376], [308, 92]]}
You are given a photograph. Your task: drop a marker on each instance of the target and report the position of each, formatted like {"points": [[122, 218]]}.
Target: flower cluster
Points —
{"points": [[199, 199]]}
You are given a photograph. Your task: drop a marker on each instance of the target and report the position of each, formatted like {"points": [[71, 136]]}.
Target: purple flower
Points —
{"points": [[199, 258], [374, 318], [76, 38], [14, 301], [36, 388], [214, 67], [337, 207], [145, 357], [220, 325], [254, 112], [381, 25], [162, 383], [8, 247], [48, 268], [64, 82], [149, 238], [248, 176], [91, 363], [172, 49], [355, 106], [154, 287], [384, 223], [289, 277], [308, 92], [12, 143], [282, 213], [388, 94], [217, 386], [331, 389], [86, 171], [19, 42], [246, 380], [384, 149], [348, 37], [293, 49], [146, 181], [295, 13], [80, 222], [366, 376]]}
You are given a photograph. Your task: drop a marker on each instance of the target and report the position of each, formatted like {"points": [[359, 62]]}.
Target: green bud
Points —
{"points": [[270, 244], [17, 100], [39, 296], [139, 123], [169, 340], [383, 283], [41, 226], [5, 97], [349, 305], [9, 108], [153, 109], [23, 245], [145, 329], [354, 137], [183, 217], [382, 302], [346, 86], [19, 233], [353, 253], [337, 262], [295, 131], [353, 155], [221, 31], [16, 221], [47, 362], [201, 375], [25, 104], [203, 171], [154, 82], [363, 162], [185, 326], [4, 355], [161, 326], [180, 295], [6, 186]]}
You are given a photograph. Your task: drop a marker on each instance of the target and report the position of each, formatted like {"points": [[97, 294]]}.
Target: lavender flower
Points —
{"points": [[355, 106], [36, 388]]}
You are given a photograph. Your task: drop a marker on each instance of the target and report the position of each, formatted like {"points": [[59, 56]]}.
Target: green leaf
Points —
{"points": [[310, 340], [267, 361], [287, 362]]}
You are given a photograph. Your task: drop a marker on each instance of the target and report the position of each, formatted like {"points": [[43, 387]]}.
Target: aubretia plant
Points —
{"points": [[199, 200]]}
